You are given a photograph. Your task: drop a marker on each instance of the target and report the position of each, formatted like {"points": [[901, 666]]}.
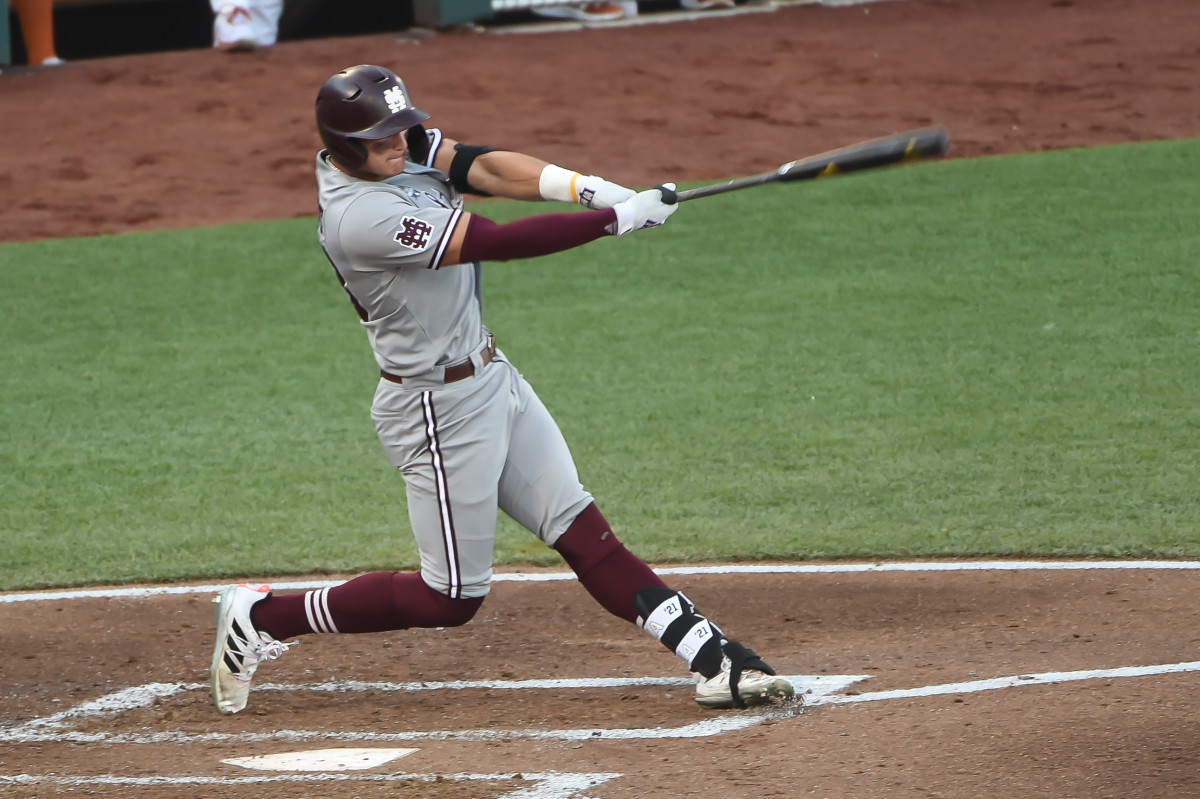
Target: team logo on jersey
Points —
{"points": [[395, 99], [414, 233]]}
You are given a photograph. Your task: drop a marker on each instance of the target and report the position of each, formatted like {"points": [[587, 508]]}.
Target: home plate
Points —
{"points": [[321, 760]]}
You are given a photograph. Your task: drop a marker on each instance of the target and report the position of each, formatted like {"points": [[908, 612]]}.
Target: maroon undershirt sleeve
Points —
{"points": [[486, 240]]}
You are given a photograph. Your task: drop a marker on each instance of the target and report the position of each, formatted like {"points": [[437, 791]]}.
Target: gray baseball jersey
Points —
{"points": [[465, 448]]}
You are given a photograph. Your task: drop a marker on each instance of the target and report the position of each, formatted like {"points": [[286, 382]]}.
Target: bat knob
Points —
{"points": [[669, 195]]}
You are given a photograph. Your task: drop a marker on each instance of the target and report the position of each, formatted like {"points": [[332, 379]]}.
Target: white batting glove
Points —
{"points": [[590, 191], [644, 209]]}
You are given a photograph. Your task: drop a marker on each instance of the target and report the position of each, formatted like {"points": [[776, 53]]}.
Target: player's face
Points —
{"points": [[386, 156]]}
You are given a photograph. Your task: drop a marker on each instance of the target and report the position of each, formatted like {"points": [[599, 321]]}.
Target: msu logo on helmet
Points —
{"points": [[395, 99]]}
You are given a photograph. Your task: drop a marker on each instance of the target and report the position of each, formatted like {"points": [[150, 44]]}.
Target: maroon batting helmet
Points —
{"points": [[363, 102]]}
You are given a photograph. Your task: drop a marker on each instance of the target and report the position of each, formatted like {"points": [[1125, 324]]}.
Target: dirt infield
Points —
{"points": [[934, 639], [1094, 689], [199, 137]]}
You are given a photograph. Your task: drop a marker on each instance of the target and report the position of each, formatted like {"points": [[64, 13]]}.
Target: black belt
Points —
{"points": [[454, 373]]}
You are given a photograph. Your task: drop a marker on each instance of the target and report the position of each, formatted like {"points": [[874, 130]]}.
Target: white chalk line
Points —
{"points": [[58, 726], [550, 785], [817, 690], [703, 729], [540, 577], [1018, 681]]}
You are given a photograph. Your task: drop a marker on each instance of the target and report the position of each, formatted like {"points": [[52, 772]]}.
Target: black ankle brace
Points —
{"points": [[671, 618]]}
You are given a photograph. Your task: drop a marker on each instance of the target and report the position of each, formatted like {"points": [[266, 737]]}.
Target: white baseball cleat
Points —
{"points": [[239, 647], [754, 687], [744, 680]]}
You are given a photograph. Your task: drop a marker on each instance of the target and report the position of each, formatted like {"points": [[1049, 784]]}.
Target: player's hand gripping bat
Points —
{"points": [[922, 143]]}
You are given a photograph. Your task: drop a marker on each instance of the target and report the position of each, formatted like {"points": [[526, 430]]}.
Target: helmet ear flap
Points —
{"points": [[418, 144], [360, 154]]}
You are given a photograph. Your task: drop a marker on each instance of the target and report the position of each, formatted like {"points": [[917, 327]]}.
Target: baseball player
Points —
{"points": [[454, 416]]}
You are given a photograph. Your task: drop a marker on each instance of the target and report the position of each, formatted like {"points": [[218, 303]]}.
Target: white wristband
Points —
{"points": [[557, 183]]}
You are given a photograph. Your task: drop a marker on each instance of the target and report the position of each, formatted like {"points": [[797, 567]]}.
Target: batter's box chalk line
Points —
{"points": [[817, 690], [550, 785], [61, 726]]}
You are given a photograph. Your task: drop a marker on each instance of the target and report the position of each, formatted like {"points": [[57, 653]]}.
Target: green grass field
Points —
{"points": [[986, 357]]}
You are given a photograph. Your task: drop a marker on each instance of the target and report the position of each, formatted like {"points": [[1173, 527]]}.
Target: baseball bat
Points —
{"points": [[885, 151]]}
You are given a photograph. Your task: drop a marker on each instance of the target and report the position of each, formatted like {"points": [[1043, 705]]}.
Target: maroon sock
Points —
{"points": [[609, 571], [368, 604]]}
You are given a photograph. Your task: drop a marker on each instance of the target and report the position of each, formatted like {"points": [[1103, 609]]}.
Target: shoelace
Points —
{"points": [[255, 653], [272, 649]]}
